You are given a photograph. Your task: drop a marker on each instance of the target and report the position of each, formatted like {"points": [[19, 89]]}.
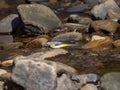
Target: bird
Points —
{"points": [[57, 44]]}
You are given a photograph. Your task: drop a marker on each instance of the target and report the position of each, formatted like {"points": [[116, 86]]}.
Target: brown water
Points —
{"points": [[84, 61]]}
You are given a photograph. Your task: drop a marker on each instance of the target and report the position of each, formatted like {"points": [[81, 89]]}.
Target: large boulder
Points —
{"points": [[100, 11], [38, 74], [38, 19], [111, 81]]}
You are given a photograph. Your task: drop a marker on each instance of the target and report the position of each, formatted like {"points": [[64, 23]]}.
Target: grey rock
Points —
{"points": [[76, 27], [38, 19], [89, 87], [86, 78], [91, 3], [77, 8], [113, 15], [34, 74], [37, 74], [9, 23], [100, 11], [6, 38], [1, 85], [74, 18], [64, 83], [111, 81], [48, 54], [70, 36]]}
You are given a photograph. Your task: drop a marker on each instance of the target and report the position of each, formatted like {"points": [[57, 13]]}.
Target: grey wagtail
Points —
{"points": [[57, 44]]}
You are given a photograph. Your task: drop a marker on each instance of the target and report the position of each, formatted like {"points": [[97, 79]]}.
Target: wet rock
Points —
{"points": [[111, 14], [2, 71], [31, 74], [89, 87], [100, 11], [6, 38], [97, 37], [85, 78], [68, 37], [48, 54], [38, 19], [37, 43], [6, 63], [76, 27], [111, 81], [105, 26], [1, 85], [5, 76], [8, 24], [117, 43], [74, 18], [98, 44], [91, 3], [36, 74], [8, 46], [64, 83], [77, 8]]}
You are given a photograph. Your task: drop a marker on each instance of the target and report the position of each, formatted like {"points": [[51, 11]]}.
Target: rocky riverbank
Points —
{"points": [[60, 45]]}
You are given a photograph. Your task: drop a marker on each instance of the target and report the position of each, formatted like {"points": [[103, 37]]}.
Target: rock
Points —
{"points": [[105, 26], [2, 72], [100, 11], [6, 38], [89, 87], [37, 43], [38, 19], [1, 85], [91, 3], [97, 37], [98, 44], [68, 37], [74, 18], [8, 46], [77, 8], [112, 15], [111, 81], [64, 83], [33, 74], [8, 24], [85, 78], [6, 63], [38, 75], [117, 43], [5, 77], [48, 54], [76, 27]]}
